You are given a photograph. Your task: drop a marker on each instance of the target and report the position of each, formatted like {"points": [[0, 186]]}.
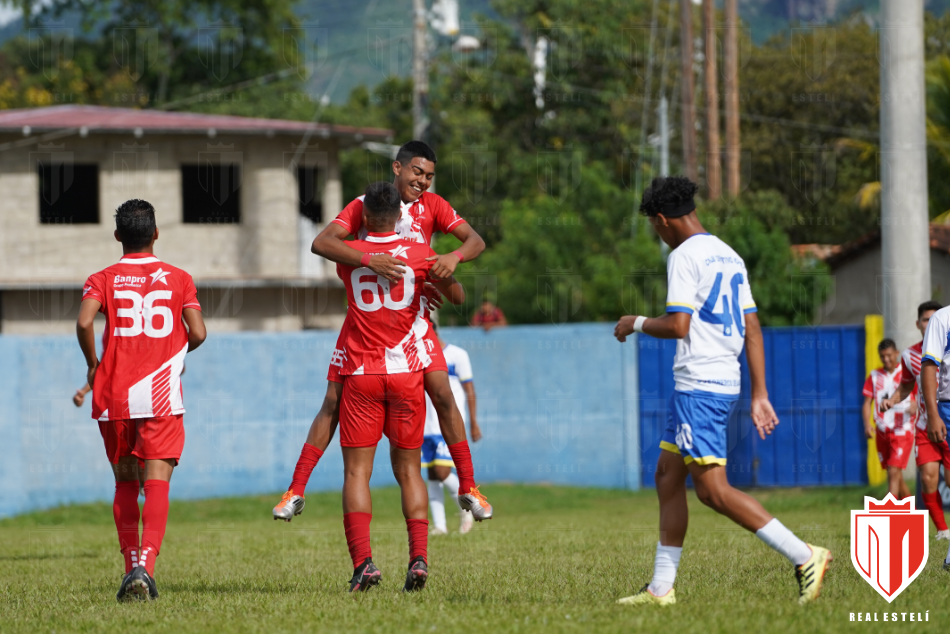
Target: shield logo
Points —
{"points": [[564, 50], [49, 48], [220, 49], [304, 49], [389, 48], [55, 166], [813, 172], [228, 181], [559, 172], [559, 420], [474, 171], [743, 46], [134, 167], [636, 47], [135, 48], [813, 49], [475, 62], [889, 543], [812, 295], [560, 294], [814, 414]]}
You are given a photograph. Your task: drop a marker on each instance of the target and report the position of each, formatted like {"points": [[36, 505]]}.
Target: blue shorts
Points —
{"points": [[435, 453], [696, 426]]}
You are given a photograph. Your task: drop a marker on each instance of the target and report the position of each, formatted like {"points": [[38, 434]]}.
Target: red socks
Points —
{"points": [[462, 458], [125, 510], [356, 526], [154, 520], [418, 538], [935, 505], [309, 457]]}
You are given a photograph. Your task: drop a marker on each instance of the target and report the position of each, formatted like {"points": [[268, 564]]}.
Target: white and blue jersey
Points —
{"points": [[936, 349], [434, 450], [708, 280]]}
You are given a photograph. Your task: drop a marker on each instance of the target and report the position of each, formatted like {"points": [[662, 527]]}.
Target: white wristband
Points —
{"points": [[638, 323]]}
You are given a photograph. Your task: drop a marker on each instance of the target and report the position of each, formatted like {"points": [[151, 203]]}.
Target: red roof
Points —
{"points": [[838, 254], [102, 119]]}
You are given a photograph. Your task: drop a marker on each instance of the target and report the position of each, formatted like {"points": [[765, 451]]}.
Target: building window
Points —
{"points": [[211, 193], [69, 193], [309, 193]]}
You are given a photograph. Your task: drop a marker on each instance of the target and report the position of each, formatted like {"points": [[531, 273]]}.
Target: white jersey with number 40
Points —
{"points": [[708, 280]]}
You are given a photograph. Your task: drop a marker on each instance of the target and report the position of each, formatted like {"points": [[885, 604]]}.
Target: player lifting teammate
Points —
{"points": [[384, 336], [930, 455], [137, 395], [422, 214], [710, 311]]}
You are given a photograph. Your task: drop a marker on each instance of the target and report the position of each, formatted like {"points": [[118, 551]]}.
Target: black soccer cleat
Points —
{"points": [[142, 585], [365, 576], [417, 576], [125, 590]]}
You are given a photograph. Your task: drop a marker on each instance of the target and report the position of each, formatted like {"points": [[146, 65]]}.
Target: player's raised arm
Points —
{"points": [[451, 289], [472, 246], [87, 336], [763, 415], [196, 327], [330, 244]]}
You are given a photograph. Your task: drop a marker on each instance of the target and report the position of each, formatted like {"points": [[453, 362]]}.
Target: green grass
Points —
{"points": [[553, 560]]}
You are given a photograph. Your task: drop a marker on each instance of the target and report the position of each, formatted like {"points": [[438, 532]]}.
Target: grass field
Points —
{"points": [[553, 560]]}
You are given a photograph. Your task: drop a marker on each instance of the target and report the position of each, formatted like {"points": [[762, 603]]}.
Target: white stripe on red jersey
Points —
{"points": [[910, 371], [879, 386]]}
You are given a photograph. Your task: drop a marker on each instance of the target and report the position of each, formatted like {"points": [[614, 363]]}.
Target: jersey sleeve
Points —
{"points": [[94, 288], [351, 218], [868, 387], [463, 367], [745, 296], [935, 339], [906, 375], [446, 218], [189, 293], [681, 283]]}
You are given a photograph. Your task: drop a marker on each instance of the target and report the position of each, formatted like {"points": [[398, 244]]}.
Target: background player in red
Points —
{"points": [[422, 214], [929, 455], [894, 431], [383, 354], [137, 396]]}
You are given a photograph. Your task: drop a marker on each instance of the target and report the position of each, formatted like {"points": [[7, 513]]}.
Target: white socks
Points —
{"points": [[664, 568], [782, 540], [452, 486], [436, 505], [947, 560]]}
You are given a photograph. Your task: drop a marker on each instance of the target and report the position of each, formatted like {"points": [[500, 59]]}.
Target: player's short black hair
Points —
{"points": [[381, 201], [671, 196], [885, 344], [135, 223], [412, 149], [928, 305]]}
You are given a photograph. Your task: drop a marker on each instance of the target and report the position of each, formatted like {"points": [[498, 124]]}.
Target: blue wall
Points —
{"points": [[814, 377], [556, 404]]}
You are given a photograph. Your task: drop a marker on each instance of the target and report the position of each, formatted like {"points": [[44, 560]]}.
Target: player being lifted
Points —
{"points": [[384, 338], [422, 214], [710, 311], [930, 455], [893, 427], [435, 455], [136, 394]]}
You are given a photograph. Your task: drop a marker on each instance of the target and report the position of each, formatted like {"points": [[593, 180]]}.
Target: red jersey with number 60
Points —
{"points": [[385, 322], [145, 340]]}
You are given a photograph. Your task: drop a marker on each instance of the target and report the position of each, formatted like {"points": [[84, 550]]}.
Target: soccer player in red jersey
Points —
{"points": [[930, 455], [384, 355], [422, 214], [894, 434], [152, 320]]}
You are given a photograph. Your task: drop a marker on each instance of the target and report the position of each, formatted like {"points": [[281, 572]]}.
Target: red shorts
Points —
{"points": [[893, 450], [160, 438], [931, 452], [377, 404], [432, 347]]}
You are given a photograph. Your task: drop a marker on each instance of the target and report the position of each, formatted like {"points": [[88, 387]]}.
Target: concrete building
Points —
{"points": [[858, 280], [238, 201]]}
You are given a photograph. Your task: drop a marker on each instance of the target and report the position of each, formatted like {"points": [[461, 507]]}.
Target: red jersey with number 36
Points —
{"points": [[145, 340], [385, 322]]}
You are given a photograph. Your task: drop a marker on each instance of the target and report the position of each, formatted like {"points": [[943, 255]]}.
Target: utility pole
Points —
{"points": [[688, 90], [713, 159], [420, 73], [905, 231], [730, 64], [663, 116]]}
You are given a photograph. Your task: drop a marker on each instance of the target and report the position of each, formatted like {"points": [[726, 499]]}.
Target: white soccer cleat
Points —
{"points": [[466, 521], [289, 506], [943, 535], [476, 503], [435, 530]]}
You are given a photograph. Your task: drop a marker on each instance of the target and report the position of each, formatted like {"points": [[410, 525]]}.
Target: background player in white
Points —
{"points": [[935, 381], [710, 310], [929, 455], [893, 426], [435, 453]]}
